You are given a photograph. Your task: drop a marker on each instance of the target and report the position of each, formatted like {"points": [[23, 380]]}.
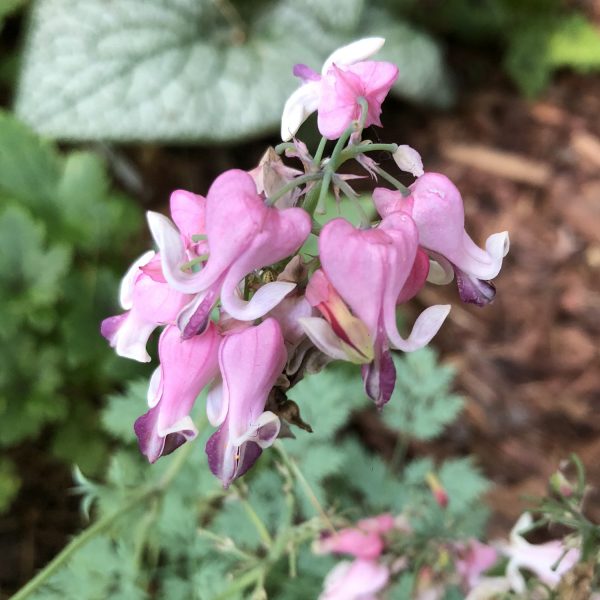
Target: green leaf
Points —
{"points": [[463, 483], [122, 410], [422, 405], [196, 70], [575, 43], [171, 70], [29, 167]]}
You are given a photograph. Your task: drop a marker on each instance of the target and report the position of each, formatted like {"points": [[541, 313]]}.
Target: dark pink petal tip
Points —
{"points": [[473, 290], [379, 379], [305, 73], [110, 326]]}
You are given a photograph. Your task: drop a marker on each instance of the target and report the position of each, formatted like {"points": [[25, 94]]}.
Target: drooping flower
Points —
{"points": [[472, 559], [436, 206], [365, 540], [357, 580], [250, 362], [149, 302], [186, 367], [243, 234], [369, 276], [540, 559], [345, 77]]}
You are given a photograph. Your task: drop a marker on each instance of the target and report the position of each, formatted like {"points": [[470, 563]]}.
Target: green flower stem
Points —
{"points": [[260, 527], [291, 185], [319, 153], [334, 162], [353, 151], [242, 582], [225, 545], [281, 148], [104, 523], [291, 464], [399, 186]]}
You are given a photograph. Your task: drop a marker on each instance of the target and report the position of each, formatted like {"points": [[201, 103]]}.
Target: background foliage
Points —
{"points": [[62, 242], [196, 540]]}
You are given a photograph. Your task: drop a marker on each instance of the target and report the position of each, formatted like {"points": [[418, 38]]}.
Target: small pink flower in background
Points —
{"points": [[472, 559], [250, 362], [345, 76], [149, 302], [186, 367], [436, 206], [243, 234], [357, 580], [369, 275], [537, 558], [365, 540]]}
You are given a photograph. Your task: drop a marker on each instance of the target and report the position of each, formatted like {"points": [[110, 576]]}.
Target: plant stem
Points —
{"points": [[291, 464], [291, 185], [399, 186], [319, 153], [104, 523], [260, 527], [242, 582], [281, 148], [352, 151], [225, 545]]}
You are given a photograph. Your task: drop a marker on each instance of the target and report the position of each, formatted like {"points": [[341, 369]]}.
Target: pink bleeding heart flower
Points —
{"points": [[250, 362], [357, 580], [341, 89], [365, 540], [341, 335], [149, 302], [540, 559], [186, 367], [369, 276], [436, 206], [243, 235], [472, 559], [316, 87]]}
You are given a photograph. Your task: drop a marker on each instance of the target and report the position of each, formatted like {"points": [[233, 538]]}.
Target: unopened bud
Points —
{"points": [[561, 485], [409, 160], [439, 493]]}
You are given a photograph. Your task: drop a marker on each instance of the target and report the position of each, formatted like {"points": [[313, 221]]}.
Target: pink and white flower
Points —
{"points": [[186, 367], [357, 580], [436, 206], [250, 362], [243, 234], [369, 275], [345, 77]]}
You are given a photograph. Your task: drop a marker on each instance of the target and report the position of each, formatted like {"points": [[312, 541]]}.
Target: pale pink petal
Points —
{"points": [[298, 107], [353, 52], [359, 580], [360, 544], [322, 336], [426, 326], [188, 213], [264, 299], [216, 403], [128, 334], [128, 281], [155, 387], [187, 366]]}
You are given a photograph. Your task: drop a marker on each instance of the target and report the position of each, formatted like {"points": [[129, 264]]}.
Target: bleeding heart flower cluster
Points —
{"points": [[378, 547], [246, 312]]}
